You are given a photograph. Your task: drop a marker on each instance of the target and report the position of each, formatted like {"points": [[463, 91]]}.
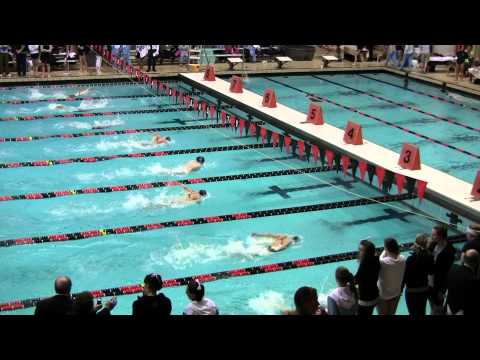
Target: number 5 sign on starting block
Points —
{"points": [[409, 157], [315, 114]]}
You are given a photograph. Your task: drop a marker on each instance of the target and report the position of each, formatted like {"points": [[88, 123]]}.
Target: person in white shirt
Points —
{"points": [[200, 305], [344, 299], [407, 56], [142, 52], [390, 278], [35, 56]]}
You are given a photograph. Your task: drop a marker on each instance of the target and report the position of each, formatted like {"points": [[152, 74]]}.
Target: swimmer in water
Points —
{"points": [[159, 139], [192, 196], [194, 165], [279, 241], [81, 92]]}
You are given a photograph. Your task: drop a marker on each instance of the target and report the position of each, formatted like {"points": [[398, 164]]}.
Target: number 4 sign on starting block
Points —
{"points": [[409, 157], [353, 134]]}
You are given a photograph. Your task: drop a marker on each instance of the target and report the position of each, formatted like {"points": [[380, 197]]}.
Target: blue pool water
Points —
{"points": [[116, 260]]}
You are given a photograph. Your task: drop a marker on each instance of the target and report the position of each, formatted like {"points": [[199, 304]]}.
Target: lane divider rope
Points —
{"points": [[221, 275], [73, 98], [164, 108], [203, 220], [158, 184], [69, 85], [388, 123], [440, 98], [438, 117], [110, 132], [93, 159]]}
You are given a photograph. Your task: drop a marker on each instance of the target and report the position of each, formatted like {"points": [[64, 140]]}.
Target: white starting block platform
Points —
{"points": [[232, 61], [443, 189], [328, 58], [282, 60]]}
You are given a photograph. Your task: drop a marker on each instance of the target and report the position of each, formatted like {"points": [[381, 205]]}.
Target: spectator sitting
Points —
{"points": [[392, 268], [83, 305], [200, 305], [151, 303], [419, 266], [463, 288], [306, 303], [366, 278], [443, 255], [58, 305], [344, 299], [473, 238]]}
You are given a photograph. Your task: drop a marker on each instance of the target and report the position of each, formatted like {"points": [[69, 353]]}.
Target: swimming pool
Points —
{"points": [[278, 191], [446, 127]]}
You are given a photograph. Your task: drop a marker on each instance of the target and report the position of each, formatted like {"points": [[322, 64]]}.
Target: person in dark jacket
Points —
{"points": [[366, 278], [463, 286], [473, 238], [419, 266], [84, 306], [21, 52], [443, 255], [151, 303], [58, 305]]}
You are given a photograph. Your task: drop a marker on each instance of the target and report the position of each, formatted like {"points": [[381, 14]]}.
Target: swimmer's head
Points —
{"points": [[200, 159], [168, 138], [203, 192], [296, 238]]}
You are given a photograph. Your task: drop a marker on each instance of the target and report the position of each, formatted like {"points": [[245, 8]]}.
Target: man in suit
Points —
{"points": [[58, 305], [463, 286]]}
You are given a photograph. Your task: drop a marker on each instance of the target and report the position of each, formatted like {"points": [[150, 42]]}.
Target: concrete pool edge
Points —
{"points": [[457, 199]]}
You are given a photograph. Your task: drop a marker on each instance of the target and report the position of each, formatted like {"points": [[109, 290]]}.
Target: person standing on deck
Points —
{"points": [[444, 256]]}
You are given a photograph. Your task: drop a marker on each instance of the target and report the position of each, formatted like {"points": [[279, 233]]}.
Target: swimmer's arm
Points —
{"points": [[186, 188], [275, 236]]}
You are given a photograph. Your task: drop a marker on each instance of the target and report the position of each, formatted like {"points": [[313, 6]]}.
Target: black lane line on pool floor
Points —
{"points": [[158, 184], [438, 117], [113, 132], [222, 275], [73, 98], [440, 98], [94, 159], [385, 122], [203, 220]]}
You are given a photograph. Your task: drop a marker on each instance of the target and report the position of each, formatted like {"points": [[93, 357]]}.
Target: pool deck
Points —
{"points": [[443, 189]]}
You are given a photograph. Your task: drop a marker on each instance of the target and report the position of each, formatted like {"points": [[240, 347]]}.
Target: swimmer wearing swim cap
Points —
{"points": [[192, 195], [159, 139], [194, 165], [279, 241]]}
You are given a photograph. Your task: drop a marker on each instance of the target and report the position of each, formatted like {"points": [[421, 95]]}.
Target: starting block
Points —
{"points": [[282, 60], [232, 61]]}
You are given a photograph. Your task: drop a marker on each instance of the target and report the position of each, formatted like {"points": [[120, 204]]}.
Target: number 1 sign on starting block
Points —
{"points": [[409, 157], [269, 99], [315, 114], [476, 187], [236, 84], [209, 73], [353, 134]]}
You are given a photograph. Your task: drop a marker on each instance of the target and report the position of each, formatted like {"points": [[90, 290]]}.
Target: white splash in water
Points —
{"points": [[162, 200], [182, 256], [117, 173], [88, 126], [35, 94], [460, 98], [128, 145], [268, 303], [93, 104], [79, 210]]}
